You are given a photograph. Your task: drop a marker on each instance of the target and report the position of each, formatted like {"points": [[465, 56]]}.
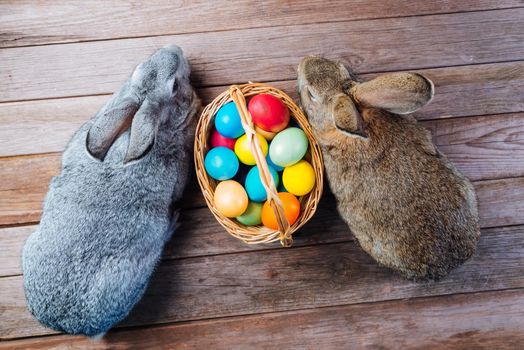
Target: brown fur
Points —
{"points": [[407, 205]]}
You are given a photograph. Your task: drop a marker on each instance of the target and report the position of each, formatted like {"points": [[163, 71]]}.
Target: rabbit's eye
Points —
{"points": [[311, 96], [174, 88]]}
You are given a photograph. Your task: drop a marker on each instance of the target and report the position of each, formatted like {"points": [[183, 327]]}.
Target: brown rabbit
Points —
{"points": [[407, 205]]}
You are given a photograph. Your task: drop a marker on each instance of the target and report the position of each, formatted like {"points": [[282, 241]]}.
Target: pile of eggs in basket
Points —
{"points": [[240, 193]]}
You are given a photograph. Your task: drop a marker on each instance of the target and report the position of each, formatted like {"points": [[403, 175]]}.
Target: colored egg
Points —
{"points": [[227, 121], [243, 151], [267, 134], [299, 178], [273, 165], [291, 210], [230, 198], [219, 140], [254, 188], [252, 216], [288, 147], [268, 112], [221, 163]]}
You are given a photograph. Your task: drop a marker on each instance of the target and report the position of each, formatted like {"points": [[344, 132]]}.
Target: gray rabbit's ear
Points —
{"points": [[143, 131], [399, 93], [346, 116], [110, 122]]}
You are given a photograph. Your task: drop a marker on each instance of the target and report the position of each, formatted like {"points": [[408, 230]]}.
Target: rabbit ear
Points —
{"points": [[346, 116], [143, 131], [399, 93], [114, 118]]}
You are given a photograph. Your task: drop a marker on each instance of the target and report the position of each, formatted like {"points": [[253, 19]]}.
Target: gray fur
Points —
{"points": [[409, 207], [108, 214]]}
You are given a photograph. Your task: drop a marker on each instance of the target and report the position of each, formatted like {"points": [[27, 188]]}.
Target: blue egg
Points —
{"points": [[254, 188], [227, 121], [273, 165], [221, 163]]}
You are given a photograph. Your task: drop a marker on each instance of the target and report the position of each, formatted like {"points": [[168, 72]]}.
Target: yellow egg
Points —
{"points": [[244, 153], [299, 178], [230, 198]]}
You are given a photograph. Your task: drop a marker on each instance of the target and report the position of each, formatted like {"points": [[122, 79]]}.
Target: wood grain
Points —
{"points": [[495, 193], [220, 58], [287, 279], [489, 320], [477, 130], [44, 126], [12, 240], [25, 23], [23, 185]]}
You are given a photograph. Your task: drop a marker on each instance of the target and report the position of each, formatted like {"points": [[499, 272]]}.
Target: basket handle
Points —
{"points": [[265, 176]]}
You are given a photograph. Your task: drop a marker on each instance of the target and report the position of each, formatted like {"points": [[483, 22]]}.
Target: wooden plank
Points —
{"points": [[25, 23], [477, 130], [475, 90], [44, 126], [492, 161], [460, 91], [500, 203], [12, 240], [220, 58], [287, 279], [489, 320], [23, 185]]}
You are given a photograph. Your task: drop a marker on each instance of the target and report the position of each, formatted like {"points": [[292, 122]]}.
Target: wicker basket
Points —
{"points": [[308, 203]]}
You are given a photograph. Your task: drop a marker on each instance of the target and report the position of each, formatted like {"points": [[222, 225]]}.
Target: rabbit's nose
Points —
{"points": [[173, 48]]}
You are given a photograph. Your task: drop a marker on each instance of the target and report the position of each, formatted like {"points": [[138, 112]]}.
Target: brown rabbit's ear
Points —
{"points": [[346, 116], [399, 93], [108, 124], [143, 132]]}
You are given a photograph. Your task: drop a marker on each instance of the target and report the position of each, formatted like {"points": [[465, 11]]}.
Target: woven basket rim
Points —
{"points": [[308, 202]]}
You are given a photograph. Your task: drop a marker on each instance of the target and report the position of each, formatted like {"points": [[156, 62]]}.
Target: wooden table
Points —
{"points": [[60, 61]]}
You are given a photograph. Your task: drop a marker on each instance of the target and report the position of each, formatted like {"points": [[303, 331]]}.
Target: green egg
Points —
{"points": [[288, 147], [253, 214]]}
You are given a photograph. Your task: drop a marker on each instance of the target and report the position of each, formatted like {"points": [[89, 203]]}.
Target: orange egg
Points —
{"points": [[291, 210], [230, 198]]}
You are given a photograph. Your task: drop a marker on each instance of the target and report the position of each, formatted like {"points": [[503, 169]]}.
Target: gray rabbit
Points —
{"points": [[407, 205], [108, 214]]}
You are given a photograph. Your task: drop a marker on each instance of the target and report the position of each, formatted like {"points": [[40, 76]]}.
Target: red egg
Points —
{"points": [[268, 112], [219, 140]]}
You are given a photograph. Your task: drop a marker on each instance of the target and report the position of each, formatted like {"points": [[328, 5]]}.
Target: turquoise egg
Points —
{"points": [[227, 121], [254, 188], [288, 147], [221, 163]]}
